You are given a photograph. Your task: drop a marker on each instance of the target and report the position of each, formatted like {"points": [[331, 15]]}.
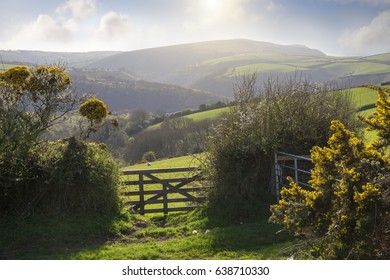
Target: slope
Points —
{"points": [[212, 66]]}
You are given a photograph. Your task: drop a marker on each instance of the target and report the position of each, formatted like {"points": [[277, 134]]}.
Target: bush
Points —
{"points": [[348, 207], [68, 176], [292, 115], [345, 205], [149, 156]]}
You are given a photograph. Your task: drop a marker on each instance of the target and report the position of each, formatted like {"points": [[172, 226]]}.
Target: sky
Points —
{"points": [[336, 27]]}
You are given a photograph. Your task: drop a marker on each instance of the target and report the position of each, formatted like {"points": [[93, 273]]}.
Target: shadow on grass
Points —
{"points": [[56, 237]]}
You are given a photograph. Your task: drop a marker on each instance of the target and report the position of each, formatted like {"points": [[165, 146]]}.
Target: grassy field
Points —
{"points": [[199, 116], [140, 237], [132, 236]]}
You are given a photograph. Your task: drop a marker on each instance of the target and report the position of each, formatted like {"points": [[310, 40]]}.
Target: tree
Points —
{"points": [[31, 101], [65, 176], [95, 111]]}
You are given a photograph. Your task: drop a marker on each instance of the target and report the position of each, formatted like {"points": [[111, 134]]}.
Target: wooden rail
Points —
{"points": [[151, 188]]}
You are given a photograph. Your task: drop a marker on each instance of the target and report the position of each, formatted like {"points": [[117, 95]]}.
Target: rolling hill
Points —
{"points": [[212, 66], [173, 78], [71, 59], [123, 92]]}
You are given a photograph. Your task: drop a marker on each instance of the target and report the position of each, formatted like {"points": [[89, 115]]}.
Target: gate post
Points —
{"points": [[165, 198], [141, 194], [277, 176]]}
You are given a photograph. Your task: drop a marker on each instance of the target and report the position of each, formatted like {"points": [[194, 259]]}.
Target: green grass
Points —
{"points": [[247, 241], [199, 116], [364, 96], [139, 237], [264, 67], [184, 161], [209, 114]]}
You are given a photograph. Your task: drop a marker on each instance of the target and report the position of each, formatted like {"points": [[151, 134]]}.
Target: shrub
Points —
{"points": [[68, 176], [291, 115], [149, 156], [345, 205], [83, 177]]}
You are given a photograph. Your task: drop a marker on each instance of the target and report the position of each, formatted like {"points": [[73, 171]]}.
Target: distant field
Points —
{"points": [[210, 114], [200, 116], [364, 96], [184, 161]]}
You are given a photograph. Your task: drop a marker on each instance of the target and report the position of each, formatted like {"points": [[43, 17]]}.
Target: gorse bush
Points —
{"points": [[348, 206], [291, 115]]}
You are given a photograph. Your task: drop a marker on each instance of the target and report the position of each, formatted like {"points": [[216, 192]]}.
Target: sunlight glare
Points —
{"points": [[210, 5]]}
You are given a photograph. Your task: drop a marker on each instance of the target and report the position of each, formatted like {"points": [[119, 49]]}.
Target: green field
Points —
{"points": [[199, 116], [277, 62], [364, 96], [184, 161]]}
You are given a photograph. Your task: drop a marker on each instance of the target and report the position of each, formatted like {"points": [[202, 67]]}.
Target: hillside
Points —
{"points": [[123, 92], [71, 59], [173, 78], [213, 66]]}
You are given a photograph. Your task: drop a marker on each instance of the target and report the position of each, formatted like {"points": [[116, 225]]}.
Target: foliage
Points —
{"points": [[174, 137], [344, 206], [149, 156], [95, 111], [64, 176], [31, 102], [291, 115], [83, 177], [380, 121]]}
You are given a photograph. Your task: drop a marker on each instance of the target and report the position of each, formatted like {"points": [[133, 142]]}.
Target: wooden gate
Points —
{"points": [[169, 189]]}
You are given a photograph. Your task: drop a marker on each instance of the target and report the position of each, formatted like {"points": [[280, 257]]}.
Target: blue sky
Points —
{"points": [[337, 27]]}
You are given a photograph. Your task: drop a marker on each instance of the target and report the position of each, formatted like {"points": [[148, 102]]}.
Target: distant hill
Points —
{"points": [[186, 64], [173, 78], [212, 66], [123, 92], [72, 59]]}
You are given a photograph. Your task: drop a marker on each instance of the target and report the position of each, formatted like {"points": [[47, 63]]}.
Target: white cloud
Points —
{"points": [[43, 30], [371, 38], [114, 25], [78, 8]]}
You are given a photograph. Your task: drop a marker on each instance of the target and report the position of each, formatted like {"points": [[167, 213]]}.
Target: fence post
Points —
{"points": [[141, 195], [165, 198], [277, 176], [296, 170]]}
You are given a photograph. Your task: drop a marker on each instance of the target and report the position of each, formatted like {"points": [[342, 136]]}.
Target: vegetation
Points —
{"points": [[74, 184], [347, 208], [291, 115], [38, 176]]}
